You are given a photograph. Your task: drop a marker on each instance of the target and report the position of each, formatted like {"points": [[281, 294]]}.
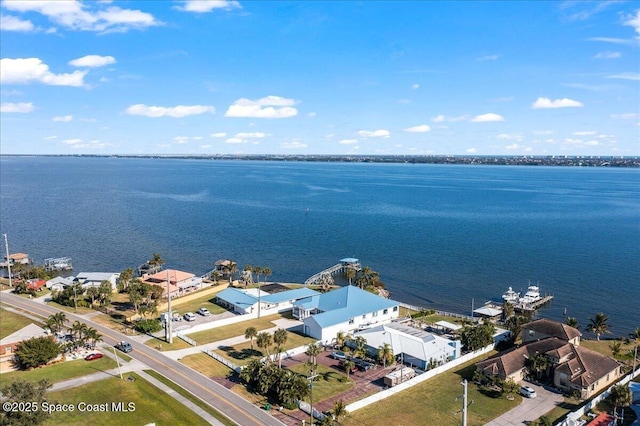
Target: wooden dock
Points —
{"points": [[530, 307], [338, 267]]}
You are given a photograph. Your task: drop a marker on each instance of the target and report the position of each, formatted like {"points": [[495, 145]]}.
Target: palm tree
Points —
{"points": [[258, 271], [156, 261], [350, 274], [267, 273], [230, 268], [538, 365], [79, 331], [93, 336], [620, 396], [508, 310], [247, 275], [250, 333], [264, 341], [93, 293], [313, 350], [348, 366], [280, 338], [598, 325], [361, 346], [57, 321], [106, 292], [125, 277], [385, 354], [615, 349], [572, 322], [339, 410], [341, 336]]}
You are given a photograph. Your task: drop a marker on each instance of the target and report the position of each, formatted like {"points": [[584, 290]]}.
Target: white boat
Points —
{"points": [[531, 296], [511, 296]]}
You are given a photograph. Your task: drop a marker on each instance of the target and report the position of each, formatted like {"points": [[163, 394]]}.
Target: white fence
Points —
{"points": [[221, 323], [187, 339], [290, 353], [418, 379], [573, 418], [222, 359]]}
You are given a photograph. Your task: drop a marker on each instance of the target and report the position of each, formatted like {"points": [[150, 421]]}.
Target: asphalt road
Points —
{"points": [[231, 405]]}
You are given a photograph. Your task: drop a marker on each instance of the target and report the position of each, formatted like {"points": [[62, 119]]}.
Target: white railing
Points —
{"points": [[222, 359], [187, 339], [418, 379]]}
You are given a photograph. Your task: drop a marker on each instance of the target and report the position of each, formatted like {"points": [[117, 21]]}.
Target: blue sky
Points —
{"points": [[326, 77]]}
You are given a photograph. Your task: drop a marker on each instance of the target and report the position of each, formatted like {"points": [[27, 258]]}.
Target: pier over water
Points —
{"points": [[346, 263]]}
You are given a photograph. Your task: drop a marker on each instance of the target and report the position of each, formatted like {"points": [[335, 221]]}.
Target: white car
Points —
{"points": [[204, 312], [528, 392], [190, 316]]}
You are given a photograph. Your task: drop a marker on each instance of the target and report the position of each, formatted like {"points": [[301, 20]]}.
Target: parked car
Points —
{"points": [[338, 355], [204, 312], [528, 392], [190, 316], [91, 357], [124, 347], [363, 365]]}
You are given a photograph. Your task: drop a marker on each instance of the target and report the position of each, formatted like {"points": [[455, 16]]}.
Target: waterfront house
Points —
{"points": [[95, 279], [347, 309], [180, 282], [543, 328], [246, 301], [59, 283], [414, 346], [573, 368], [36, 284], [19, 258]]}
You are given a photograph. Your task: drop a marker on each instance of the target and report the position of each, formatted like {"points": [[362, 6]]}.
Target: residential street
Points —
{"points": [[223, 400]]}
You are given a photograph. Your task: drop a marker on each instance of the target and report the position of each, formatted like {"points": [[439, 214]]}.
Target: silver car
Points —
{"points": [[190, 316]]}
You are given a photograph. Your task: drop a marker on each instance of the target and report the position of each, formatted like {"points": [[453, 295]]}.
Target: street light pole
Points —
{"points": [[169, 316], [310, 378], [464, 403], [6, 246]]}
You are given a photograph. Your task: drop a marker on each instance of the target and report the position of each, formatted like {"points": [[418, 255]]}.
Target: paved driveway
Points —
{"points": [[530, 408]]}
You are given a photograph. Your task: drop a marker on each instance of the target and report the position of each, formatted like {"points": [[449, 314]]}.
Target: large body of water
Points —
{"points": [[440, 236]]}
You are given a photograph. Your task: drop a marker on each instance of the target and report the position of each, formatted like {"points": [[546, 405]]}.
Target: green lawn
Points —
{"points": [[162, 345], [233, 330], [62, 371], [241, 354], [71, 309], [436, 402], [151, 404], [12, 322], [191, 398], [327, 384], [206, 365], [205, 301]]}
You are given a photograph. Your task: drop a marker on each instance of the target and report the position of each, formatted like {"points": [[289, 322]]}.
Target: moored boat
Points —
{"points": [[511, 296]]}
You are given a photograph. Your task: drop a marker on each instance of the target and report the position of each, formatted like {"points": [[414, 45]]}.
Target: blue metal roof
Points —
{"points": [[237, 297], [295, 294], [341, 305]]}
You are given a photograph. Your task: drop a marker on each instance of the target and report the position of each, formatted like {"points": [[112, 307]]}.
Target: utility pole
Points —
{"points": [[118, 361], [464, 402], [169, 316], [310, 378], [6, 246]]}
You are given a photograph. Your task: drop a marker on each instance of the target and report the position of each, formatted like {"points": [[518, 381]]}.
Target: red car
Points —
{"points": [[91, 357]]}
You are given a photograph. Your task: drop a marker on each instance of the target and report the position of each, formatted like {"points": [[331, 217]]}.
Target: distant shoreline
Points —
{"points": [[550, 160]]}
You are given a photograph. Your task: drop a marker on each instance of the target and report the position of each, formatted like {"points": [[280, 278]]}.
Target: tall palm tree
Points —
{"points": [[348, 366], [93, 336], [349, 273], [538, 365], [266, 272], [79, 331], [341, 336], [279, 339], [598, 325], [361, 346], [93, 293], [385, 354], [58, 321], [615, 349], [339, 410], [250, 333], [230, 268], [264, 341], [258, 271], [125, 277], [313, 350], [571, 322]]}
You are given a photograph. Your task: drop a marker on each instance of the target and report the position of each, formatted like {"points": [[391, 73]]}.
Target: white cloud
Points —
{"points": [[415, 86], [348, 141], [487, 58], [510, 137], [293, 145], [181, 139], [626, 76], [218, 135], [205, 6], [485, 118], [624, 41], [584, 133], [81, 144], [543, 103], [20, 107], [92, 61], [235, 140], [27, 70], [63, 118], [418, 129], [175, 112], [267, 107], [50, 138], [252, 135], [471, 151], [607, 55], [72, 141], [312, 114], [12, 23], [88, 16], [442, 118], [627, 116], [512, 147], [205, 146], [633, 21], [380, 133]]}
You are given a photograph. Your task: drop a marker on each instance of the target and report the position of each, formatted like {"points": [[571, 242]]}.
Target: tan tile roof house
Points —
{"points": [[574, 368]]}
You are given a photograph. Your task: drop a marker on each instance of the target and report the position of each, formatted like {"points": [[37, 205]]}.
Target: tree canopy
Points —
{"points": [[37, 351], [25, 392]]}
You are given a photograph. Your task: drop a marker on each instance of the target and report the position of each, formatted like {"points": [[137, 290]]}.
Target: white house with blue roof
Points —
{"points": [[246, 301], [347, 309]]}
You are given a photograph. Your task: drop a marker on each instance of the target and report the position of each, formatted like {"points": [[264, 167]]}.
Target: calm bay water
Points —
{"points": [[440, 236]]}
